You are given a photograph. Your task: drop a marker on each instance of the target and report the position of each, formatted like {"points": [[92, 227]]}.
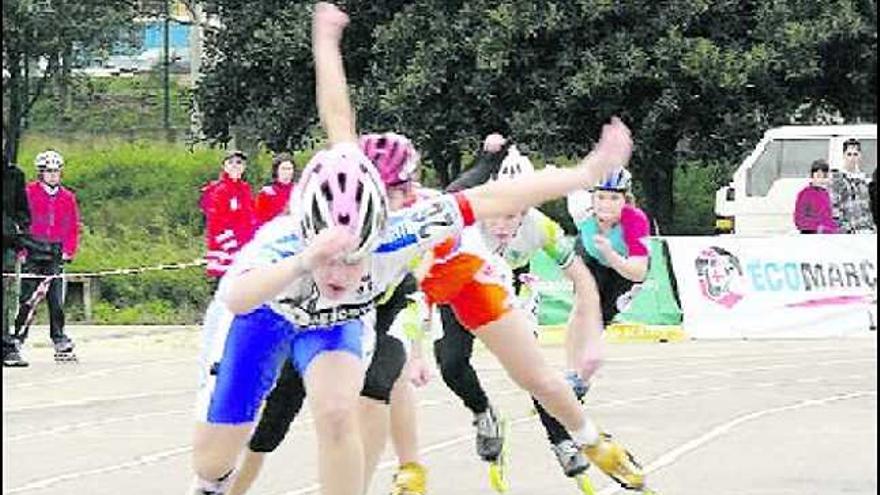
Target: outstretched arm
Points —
{"points": [[583, 341], [331, 88], [508, 197]]}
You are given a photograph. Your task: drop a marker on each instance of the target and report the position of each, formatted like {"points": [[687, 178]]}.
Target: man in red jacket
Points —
{"points": [[54, 231], [230, 221]]}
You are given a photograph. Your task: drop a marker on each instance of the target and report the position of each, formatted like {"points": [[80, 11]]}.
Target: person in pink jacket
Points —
{"points": [[812, 211], [54, 232]]}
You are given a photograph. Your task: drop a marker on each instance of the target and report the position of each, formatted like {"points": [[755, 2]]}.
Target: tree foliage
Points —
{"points": [[40, 38], [694, 79]]}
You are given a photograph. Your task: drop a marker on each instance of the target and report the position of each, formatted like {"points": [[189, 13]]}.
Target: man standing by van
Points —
{"points": [[851, 204]]}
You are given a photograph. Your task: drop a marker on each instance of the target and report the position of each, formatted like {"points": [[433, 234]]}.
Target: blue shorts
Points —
{"points": [[242, 369]]}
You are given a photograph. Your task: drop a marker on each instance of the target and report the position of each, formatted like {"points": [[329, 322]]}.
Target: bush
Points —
{"points": [[694, 198], [139, 207]]}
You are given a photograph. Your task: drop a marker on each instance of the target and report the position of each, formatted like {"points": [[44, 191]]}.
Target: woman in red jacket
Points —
{"points": [[55, 225], [272, 199]]}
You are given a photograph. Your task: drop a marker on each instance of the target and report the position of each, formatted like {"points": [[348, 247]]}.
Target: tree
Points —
{"points": [[695, 79], [691, 77], [39, 40]]}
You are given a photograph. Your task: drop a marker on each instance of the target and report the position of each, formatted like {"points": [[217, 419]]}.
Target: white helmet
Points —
{"points": [[49, 160], [514, 165], [340, 186]]}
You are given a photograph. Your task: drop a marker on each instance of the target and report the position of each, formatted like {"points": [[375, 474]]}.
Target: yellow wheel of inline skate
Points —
{"points": [[585, 484], [498, 468]]}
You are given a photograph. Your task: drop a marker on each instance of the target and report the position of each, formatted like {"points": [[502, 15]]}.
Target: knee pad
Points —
{"points": [[386, 368]]}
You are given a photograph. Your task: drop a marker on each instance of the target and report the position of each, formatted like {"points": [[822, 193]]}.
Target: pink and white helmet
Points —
{"points": [[341, 187], [394, 156]]}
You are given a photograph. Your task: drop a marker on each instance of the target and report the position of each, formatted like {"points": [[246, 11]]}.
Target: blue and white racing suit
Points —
{"points": [[242, 358]]}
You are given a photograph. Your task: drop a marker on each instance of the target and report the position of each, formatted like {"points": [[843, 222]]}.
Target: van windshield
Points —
{"points": [[785, 159]]}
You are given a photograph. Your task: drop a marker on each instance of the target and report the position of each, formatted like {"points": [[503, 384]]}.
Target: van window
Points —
{"points": [[869, 155], [784, 159]]}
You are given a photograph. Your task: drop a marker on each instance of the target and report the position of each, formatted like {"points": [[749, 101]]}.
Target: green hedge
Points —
{"points": [[138, 202]]}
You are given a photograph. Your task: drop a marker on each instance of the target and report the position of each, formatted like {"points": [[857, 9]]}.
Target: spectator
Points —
{"points": [[16, 222], [54, 231], [272, 200], [812, 211], [229, 214], [850, 200]]}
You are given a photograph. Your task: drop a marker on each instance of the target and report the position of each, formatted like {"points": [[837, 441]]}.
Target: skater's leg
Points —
{"points": [[556, 433], [333, 381], [238, 372], [511, 339], [386, 367], [404, 423], [374, 418], [281, 408], [248, 470], [55, 301], [11, 352], [453, 354], [216, 448], [411, 476], [28, 286]]}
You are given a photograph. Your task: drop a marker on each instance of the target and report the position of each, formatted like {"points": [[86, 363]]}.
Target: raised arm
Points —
{"points": [[331, 88]]}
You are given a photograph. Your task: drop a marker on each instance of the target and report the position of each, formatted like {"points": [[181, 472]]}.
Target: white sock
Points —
{"points": [[218, 486], [587, 435]]}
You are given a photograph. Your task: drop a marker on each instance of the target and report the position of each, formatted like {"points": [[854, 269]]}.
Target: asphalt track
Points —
{"points": [[734, 417]]}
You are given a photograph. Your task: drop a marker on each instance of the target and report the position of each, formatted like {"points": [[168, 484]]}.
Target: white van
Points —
{"points": [[761, 197]]}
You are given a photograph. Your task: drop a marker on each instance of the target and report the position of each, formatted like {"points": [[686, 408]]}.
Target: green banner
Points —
{"points": [[555, 290], [653, 304]]}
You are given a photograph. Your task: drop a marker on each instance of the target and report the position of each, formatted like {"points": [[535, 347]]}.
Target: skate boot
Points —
{"points": [[12, 357], [572, 461], [498, 467], [574, 465], [615, 461], [490, 435], [411, 479], [64, 351]]}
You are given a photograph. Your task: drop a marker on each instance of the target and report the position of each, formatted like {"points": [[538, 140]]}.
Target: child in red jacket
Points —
{"points": [[812, 211], [54, 226]]}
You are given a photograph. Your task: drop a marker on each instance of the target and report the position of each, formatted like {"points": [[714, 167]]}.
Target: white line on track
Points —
{"points": [[136, 462], [674, 455], [64, 429], [314, 487], [95, 373], [166, 454], [97, 400]]}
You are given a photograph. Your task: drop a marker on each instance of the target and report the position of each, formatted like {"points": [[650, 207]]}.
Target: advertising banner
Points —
{"points": [[781, 287]]}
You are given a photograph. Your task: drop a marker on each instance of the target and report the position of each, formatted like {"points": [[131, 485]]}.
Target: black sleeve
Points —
{"points": [[872, 192], [485, 166], [22, 208]]}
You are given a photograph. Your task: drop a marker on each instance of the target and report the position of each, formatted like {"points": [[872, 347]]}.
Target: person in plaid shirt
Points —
{"points": [[851, 205]]}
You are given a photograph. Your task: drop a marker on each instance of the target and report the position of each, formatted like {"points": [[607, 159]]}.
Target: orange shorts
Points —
{"points": [[471, 287]]}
